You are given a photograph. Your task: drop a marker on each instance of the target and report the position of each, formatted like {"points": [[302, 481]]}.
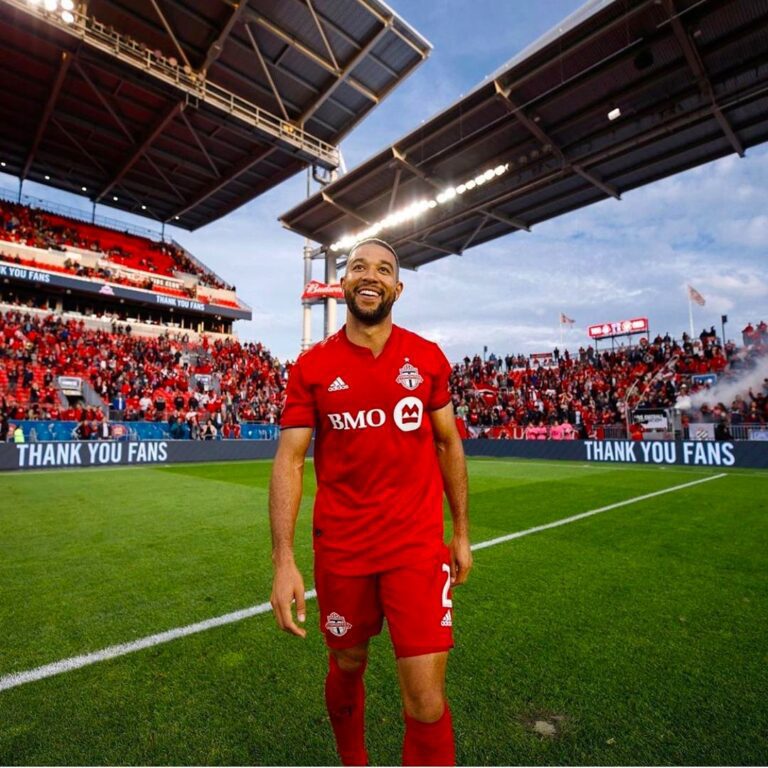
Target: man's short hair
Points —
{"points": [[374, 241]]}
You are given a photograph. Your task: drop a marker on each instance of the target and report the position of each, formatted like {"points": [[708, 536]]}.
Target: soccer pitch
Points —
{"points": [[638, 633]]}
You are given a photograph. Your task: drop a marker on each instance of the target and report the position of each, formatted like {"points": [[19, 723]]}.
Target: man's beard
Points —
{"points": [[369, 316]]}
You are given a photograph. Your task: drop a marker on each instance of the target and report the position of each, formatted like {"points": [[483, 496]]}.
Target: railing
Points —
{"points": [[50, 431], [193, 84]]}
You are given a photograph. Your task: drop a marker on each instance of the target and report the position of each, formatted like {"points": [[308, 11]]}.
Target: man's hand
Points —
{"points": [[461, 559], [287, 587]]}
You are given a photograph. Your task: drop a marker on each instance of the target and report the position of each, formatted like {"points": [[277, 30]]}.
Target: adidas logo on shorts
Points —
{"points": [[447, 621], [338, 384]]}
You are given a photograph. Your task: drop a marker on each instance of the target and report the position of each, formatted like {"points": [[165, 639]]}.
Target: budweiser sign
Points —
{"points": [[621, 328], [314, 289]]}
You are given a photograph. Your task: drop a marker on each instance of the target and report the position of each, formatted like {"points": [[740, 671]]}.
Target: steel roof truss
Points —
{"points": [[267, 73], [395, 188], [538, 133], [344, 75], [158, 128], [475, 232], [105, 103], [322, 33], [697, 67], [384, 19], [66, 60], [305, 50], [171, 33], [355, 43], [237, 170], [343, 208], [79, 146], [437, 183], [217, 46], [200, 144]]}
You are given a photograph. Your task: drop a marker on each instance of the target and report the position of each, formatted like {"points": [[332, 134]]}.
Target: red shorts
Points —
{"points": [[415, 600]]}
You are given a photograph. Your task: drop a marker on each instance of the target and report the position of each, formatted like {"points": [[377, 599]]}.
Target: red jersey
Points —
{"points": [[379, 502]]}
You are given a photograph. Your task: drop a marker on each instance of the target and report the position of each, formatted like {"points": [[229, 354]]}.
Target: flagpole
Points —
{"points": [[690, 312], [561, 335]]}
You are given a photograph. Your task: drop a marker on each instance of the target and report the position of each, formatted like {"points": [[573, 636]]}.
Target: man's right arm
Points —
{"points": [[284, 499]]}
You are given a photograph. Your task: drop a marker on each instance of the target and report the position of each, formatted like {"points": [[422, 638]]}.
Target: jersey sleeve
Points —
{"points": [[299, 410], [440, 395]]}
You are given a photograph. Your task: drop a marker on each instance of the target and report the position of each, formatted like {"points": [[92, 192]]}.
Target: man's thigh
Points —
{"points": [[417, 604], [350, 611]]}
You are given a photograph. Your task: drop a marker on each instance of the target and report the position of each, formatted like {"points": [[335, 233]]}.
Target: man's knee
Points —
{"points": [[426, 706], [351, 659]]}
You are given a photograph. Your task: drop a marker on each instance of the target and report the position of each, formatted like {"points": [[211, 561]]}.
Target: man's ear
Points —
{"points": [[398, 290]]}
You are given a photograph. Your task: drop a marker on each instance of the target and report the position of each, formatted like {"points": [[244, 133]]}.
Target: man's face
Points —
{"points": [[371, 284]]}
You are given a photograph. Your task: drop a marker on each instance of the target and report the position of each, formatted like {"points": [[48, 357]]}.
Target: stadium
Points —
{"points": [[176, 212]]}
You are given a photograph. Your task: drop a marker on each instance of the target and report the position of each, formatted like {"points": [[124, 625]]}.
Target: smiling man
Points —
{"points": [[386, 448]]}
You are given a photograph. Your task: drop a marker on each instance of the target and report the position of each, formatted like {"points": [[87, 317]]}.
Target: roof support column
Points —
{"points": [[331, 276]]}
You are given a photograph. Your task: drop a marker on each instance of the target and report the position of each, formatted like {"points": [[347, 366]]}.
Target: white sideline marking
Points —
{"points": [[582, 515], [113, 651]]}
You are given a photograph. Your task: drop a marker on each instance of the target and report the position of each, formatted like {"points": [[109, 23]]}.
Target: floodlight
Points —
{"points": [[50, 5], [67, 17], [614, 114]]}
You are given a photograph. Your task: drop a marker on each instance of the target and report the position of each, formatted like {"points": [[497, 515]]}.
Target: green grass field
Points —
{"points": [[641, 632]]}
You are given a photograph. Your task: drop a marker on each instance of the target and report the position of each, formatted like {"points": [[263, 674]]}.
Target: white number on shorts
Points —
{"points": [[447, 602]]}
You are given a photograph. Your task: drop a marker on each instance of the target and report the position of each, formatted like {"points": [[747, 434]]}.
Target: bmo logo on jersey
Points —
{"points": [[407, 415], [362, 419]]}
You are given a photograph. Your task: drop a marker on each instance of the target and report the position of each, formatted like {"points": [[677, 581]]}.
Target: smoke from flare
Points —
{"points": [[727, 390]]}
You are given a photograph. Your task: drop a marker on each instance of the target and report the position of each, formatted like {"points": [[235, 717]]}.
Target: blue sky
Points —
{"points": [[613, 260]]}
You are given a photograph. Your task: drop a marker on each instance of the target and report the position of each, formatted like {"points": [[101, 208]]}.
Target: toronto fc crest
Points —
{"points": [[409, 376], [337, 625]]}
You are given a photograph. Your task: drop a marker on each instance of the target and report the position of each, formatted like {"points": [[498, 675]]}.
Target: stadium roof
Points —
{"points": [[622, 93], [183, 111]]}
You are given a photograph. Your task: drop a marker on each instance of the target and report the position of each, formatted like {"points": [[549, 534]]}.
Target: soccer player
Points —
{"points": [[386, 448]]}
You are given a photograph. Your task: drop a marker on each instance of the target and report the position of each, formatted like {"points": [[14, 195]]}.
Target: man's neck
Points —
{"points": [[373, 337]]}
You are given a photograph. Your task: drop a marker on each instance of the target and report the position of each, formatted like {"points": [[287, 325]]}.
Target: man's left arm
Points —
{"points": [[453, 467]]}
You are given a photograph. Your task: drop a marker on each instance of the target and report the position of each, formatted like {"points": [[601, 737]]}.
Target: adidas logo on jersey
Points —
{"points": [[337, 385], [447, 620]]}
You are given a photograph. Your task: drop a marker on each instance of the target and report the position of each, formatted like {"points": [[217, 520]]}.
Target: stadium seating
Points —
{"points": [[160, 379], [515, 396], [43, 240], [178, 383]]}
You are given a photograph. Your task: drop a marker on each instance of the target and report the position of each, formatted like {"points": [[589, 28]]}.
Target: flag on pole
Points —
{"points": [[565, 320], [694, 295]]}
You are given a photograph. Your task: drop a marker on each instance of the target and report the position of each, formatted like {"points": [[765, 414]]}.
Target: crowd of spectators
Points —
{"points": [[40, 229], [206, 390], [563, 396], [200, 390]]}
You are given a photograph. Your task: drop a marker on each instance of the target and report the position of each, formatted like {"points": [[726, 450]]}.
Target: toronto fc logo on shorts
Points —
{"points": [[337, 625], [409, 376]]}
